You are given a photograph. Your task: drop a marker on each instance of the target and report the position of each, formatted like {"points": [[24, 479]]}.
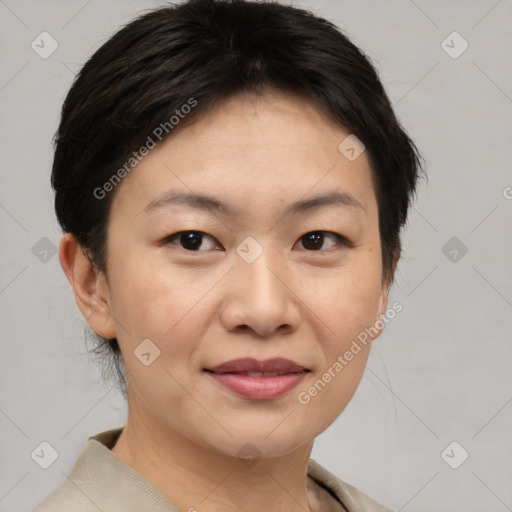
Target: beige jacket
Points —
{"points": [[101, 482]]}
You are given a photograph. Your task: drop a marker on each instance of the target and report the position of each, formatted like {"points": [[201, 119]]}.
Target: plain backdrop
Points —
{"points": [[440, 373]]}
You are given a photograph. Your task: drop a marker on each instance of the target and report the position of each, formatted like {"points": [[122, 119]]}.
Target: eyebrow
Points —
{"points": [[208, 203]]}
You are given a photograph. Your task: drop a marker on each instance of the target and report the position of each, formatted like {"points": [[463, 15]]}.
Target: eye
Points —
{"points": [[193, 240], [189, 240], [314, 240]]}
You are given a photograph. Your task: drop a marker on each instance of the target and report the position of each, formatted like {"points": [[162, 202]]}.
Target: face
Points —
{"points": [[257, 278]]}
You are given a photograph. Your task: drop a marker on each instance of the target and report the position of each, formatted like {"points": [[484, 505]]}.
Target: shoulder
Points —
{"points": [[78, 492], [64, 499], [99, 481], [352, 498], [75, 494]]}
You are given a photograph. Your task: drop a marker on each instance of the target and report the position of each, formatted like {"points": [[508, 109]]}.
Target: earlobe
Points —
{"points": [[383, 302], [89, 286], [386, 285], [378, 323]]}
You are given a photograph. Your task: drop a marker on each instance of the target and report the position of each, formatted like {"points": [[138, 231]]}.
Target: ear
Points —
{"points": [[386, 285], [89, 285]]}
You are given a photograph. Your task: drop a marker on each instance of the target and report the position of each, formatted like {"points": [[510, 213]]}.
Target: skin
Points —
{"points": [[205, 307]]}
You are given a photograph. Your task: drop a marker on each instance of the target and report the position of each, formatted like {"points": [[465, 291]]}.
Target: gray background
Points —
{"points": [[441, 372]]}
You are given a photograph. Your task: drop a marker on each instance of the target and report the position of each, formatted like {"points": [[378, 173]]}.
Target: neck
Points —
{"points": [[197, 477]]}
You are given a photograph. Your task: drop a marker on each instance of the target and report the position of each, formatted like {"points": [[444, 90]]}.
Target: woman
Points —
{"points": [[231, 181]]}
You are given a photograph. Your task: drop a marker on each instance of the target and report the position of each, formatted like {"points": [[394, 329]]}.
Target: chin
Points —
{"points": [[257, 442]]}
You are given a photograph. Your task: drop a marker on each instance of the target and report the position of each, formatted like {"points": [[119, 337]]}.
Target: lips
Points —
{"points": [[254, 368], [258, 380]]}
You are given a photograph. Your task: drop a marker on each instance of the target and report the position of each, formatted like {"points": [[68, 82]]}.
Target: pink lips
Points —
{"points": [[285, 375]]}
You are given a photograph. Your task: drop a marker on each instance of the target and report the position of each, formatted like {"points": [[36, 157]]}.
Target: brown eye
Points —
{"points": [[315, 240], [188, 240]]}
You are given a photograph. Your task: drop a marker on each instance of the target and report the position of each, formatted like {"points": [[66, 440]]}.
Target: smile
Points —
{"points": [[258, 385]]}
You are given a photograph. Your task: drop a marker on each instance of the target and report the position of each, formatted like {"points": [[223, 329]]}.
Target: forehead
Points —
{"points": [[252, 152]]}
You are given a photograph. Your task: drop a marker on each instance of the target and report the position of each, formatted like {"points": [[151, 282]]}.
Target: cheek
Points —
{"points": [[346, 300], [166, 306], [347, 308], [152, 300], [163, 306]]}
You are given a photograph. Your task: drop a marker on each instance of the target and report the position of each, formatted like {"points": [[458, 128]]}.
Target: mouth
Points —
{"points": [[254, 374], [273, 367], [258, 380]]}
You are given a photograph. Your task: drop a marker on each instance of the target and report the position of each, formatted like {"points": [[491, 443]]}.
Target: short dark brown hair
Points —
{"points": [[209, 50]]}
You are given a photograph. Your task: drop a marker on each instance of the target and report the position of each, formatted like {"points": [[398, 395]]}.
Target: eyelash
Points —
{"points": [[168, 240]]}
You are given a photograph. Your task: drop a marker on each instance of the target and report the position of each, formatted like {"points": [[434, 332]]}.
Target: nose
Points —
{"points": [[260, 296]]}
